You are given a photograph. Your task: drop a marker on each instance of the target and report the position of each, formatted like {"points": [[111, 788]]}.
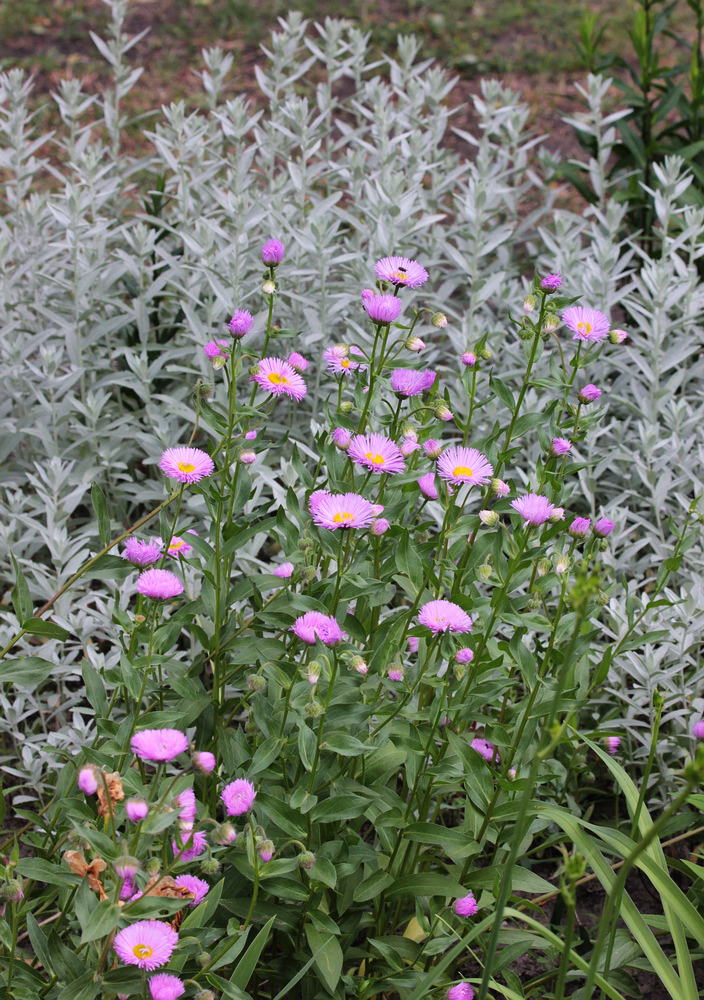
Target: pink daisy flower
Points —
{"points": [[603, 527], [376, 452], [187, 465], [469, 359], [589, 393], [198, 886], [197, 841], [241, 322], [315, 625], [586, 324], [698, 730], [238, 797], [159, 584], [177, 546], [485, 748], [340, 510], [87, 780], [298, 362], [277, 376], [535, 509], [580, 527], [159, 744], [146, 944], [408, 382], [340, 364], [141, 553], [560, 446], [465, 465], [214, 348], [204, 761], [186, 801], [273, 252], [612, 744], [427, 486], [466, 906], [136, 810], [432, 448], [463, 991], [284, 571], [401, 271], [444, 616], [383, 308], [551, 282], [166, 987]]}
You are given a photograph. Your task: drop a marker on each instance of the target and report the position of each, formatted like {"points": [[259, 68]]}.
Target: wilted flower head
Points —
{"points": [[284, 571], [214, 348], [469, 359], [485, 748], [88, 780], [551, 282], [465, 465], [315, 625], [141, 553], [560, 446], [273, 252], [297, 361], [466, 906], [427, 486], [147, 944], [198, 886], [277, 376], [586, 324], [383, 308], [159, 744], [136, 810], [238, 797], [340, 510], [444, 616], [164, 986], [342, 437], [408, 382], [401, 271], [377, 453], [580, 527], [589, 393], [432, 448], [535, 509], [187, 465]]}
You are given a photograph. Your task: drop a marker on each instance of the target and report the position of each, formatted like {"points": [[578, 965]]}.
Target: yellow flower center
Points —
{"points": [[277, 379], [585, 328], [185, 467], [176, 545], [399, 276], [462, 470], [375, 459], [342, 517], [345, 362], [142, 951]]}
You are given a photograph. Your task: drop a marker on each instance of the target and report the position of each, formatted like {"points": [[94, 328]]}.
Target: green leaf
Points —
{"points": [[39, 942], [100, 506], [265, 754], [339, 807], [85, 987], [104, 919], [346, 746], [19, 595], [40, 870], [372, 886], [522, 879], [37, 626], [425, 884], [329, 960], [248, 963]]}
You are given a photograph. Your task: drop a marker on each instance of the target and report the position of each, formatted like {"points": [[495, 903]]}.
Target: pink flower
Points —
{"points": [[298, 362], [250, 436], [535, 509], [273, 252], [198, 843], [198, 886], [413, 641], [377, 508], [380, 526], [146, 944], [469, 359], [342, 437], [315, 625], [463, 991], [377, 453], [551, 282], [466, 906], [432, 448], [187, 465], [213, 349], [141, 553], [427, 486], [159, 584], [617, 336], [560, 446], [443, 412], [87, 780], [127, 889], [247, 457], [136, 810], [166, 987], [464, 655], [238, 797], [204, 761], [501, 488], [408, 382], [284, 571], [486, 749], [698, 730], [408, 446], [465, 465], [579, 527], [186, 802], [589, 393], [395, 674], [340, 510], [444, 616], [586, 324], [159, 744], [612, 744], [383, 308], [401, 271], [341, 364], [177, 546], [241, 322], [277, 376], [603, 527], [265, 850]]}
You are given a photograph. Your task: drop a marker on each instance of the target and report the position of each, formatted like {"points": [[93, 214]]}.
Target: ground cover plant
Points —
{"points": [[353, 600]]}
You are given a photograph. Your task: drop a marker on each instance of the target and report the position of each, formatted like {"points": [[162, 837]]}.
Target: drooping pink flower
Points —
{"points": [[214, 348], [204, 761], [466, 906], [462, 991], [298, 362], [464, 655], [486, 749], [409, 382], [159, 744], [191, 847], [273, 252], [443, 412], [342, 437], [380, 526], [551, 282], [340, 510], [603, 527], [533, 508], [377, 453], [586, 324], [444, 616], [395, 673], [177, 546], [465, 465], [560, 446], [147, 944], [617, 336], [238, 797], [141, 553], [427, 486], [401, 271], [589, 393], [408, 446], [698, 729], [126, 867], [88, 780], [284, 571], [188, 806], [432, 448], [187, 465], [265, 849], [315, 625], [127, 889], [166, 987], [612, 744], [469, 359], [277, 376], [196, 885], [415, 344], [501, 488], [383, 308], [136, 810], [159, 584], [579, 527]]}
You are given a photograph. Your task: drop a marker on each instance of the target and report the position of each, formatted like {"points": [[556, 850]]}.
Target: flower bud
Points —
{"points": [[346, 406], [529, 304], [558, 514], [459, 670], [306, 860], [313, 672], [439, 320], [313, 709], [485, 354], [551, 323], [210, 866], [612, 744], [562, 565], [342, 437], [395, 672], [499, 487], [359, 664], [269, 287], [469, 359], [380, 526], [203, 959], [266, 850], [219, 362], [247, 457], [485, 571], [408, 446], [152, 866], [544, 566], [432, 448], [602, 599], [204, 761], [11, 891], [415, 344], [255, 682], [534, 604], [307, 574], [204, 995], [224, 834], [443, 412], [489, 518], [126, 866], [136, 810], [88, 780], [525, 333], [617, 336]]}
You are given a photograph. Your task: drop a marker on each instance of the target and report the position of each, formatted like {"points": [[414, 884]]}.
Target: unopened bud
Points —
{"points": [[313, 672], [558, 514], [139, 619], [379, 526], [415, 344], [306, 860], [439, 320], [602, 599], [562, 565], [459, 670], [525, 333], [484, 354], [12, 892], [534, 604], [551, 323], [247, 457], [152, 866], [485, 571], [544, 566], [529, 304], [269, 287], [219, 362], [204, 995], [499, 487], [443, 412], [203, 959], [255, 682], [617, 336], [489, 518], [308, 574], [224, 834], [211, 866], [359, 664], [313, 709], [346, 406]]}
